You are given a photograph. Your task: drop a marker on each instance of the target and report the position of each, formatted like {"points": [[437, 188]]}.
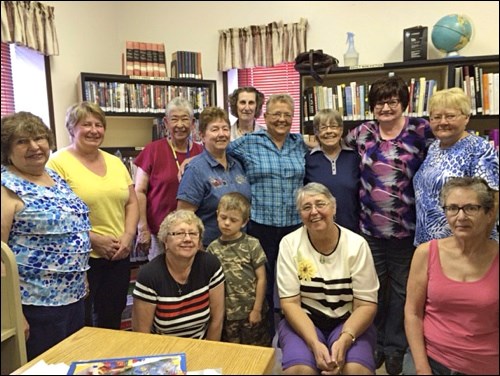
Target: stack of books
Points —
{"points": [[145, 59], [186, 64]]}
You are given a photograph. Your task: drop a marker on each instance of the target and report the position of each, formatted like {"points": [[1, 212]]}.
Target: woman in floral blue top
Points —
{"points": [[46, 225]]}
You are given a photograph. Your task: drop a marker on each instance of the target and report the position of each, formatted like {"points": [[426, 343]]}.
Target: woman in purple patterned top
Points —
{"points": [[392, 147]]}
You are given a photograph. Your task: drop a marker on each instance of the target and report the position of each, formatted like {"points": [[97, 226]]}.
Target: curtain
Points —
{"points": [[30, 24], [261, 45]]}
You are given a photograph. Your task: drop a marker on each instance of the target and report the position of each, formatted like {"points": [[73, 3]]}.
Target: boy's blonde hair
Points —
{"points": [[235, 201]]}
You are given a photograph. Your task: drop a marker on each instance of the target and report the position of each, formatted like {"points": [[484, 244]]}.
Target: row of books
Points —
{"points": [[351, 99], [142, 97], [186, 64], [145, 59], [481, 87]]}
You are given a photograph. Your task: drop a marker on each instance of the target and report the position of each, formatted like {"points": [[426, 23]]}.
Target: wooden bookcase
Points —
{"points": [[132, 103], [443, 71]]}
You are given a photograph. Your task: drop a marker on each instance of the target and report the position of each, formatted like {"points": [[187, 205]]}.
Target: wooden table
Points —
{"points": [[94, 343]]}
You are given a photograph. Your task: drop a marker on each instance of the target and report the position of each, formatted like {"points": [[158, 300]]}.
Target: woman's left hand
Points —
{"points": [[339, 349], [125, 247]]}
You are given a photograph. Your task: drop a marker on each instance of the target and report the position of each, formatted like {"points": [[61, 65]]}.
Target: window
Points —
{"points": [[8, 105], [282, 78], [26, 82]]}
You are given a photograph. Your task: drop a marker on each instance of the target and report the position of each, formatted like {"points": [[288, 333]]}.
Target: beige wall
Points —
{"points": [[92, 35]]}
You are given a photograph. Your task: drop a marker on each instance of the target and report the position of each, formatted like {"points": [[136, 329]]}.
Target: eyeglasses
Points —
{"points": [[392, 103], [469, 209], [324, 127], [319, 205], [278, 115], [448, 117], [182, 235]]}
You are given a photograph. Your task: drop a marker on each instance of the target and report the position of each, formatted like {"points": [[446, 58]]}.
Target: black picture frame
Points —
{"points": [[415, 43]]}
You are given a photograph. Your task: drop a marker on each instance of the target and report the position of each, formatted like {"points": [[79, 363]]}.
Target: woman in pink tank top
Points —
{"points": [[452, 304]]}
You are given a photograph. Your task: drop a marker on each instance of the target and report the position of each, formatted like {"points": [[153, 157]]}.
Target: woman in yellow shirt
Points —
{"points": [[104, 184]]}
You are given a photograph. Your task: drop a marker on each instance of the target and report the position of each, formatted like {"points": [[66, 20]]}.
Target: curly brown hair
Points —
{"points": [[233, 100]]}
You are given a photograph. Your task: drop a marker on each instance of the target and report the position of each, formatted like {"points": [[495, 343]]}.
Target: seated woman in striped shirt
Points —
{"points": [[180, 292]]}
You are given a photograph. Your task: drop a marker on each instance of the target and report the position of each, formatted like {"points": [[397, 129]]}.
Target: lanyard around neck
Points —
{"points": [[175, 153]]}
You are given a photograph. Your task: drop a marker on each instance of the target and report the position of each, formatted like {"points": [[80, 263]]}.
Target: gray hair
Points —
{"points": [[485, 195], [280, 98], [313, 189], [176, 217], [179, 103], [327, 116]]}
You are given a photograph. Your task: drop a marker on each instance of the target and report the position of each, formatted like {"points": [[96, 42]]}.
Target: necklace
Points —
{"points": [[175, 153], [179, 288]]}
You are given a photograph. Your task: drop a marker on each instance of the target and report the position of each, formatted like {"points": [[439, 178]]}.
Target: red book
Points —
{"points": [[143, 58], [129, 58], [162, 62]]}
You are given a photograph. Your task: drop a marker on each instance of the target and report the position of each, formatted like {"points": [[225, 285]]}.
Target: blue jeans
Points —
{"points": [[436, 367], [392, 259]]}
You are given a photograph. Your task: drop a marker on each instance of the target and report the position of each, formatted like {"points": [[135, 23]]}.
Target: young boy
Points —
{"points": [[243, 261]]}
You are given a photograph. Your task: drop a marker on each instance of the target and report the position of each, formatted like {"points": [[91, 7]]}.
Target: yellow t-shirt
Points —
{"points": [[106, 195]]}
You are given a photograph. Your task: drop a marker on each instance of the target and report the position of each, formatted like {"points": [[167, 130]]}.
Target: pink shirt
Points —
{"points": [[157, 160], [461, 319]]}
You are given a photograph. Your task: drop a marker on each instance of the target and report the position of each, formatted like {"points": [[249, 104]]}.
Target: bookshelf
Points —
{"points": [[134, 108], [442, 73], [134, 103]]}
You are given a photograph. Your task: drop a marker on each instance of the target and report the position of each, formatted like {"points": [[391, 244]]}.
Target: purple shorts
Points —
{"points": [[296, 352]]}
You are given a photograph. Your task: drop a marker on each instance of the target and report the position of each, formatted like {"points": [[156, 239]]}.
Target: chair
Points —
{"points": [[13, 340]]}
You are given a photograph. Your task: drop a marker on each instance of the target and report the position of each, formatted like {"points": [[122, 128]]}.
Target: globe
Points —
{"points": [[451, 33]]}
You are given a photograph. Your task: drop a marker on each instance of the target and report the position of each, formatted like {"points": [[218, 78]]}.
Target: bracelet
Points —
{"points": [[349, 333]]}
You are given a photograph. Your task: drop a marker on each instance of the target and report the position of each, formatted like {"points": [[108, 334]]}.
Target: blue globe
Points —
{"points": [[451, 33]]}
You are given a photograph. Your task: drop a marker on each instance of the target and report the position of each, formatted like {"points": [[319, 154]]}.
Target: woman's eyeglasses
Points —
{"points": [[182, 235], [318, 205], [278, 115], [324, 127], [448, 117], [392, 103], [469, 209]]}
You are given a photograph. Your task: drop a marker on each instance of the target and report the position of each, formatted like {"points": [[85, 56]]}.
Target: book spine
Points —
{"points": [[143, 58], [174, 65], [348, 102], [129, 58], [486, 96], [472, 93], [495, 93], [199, 70], [478, 91], [162, 62], [137, 58], [156, 61], [421, 96], [149, 59]]}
